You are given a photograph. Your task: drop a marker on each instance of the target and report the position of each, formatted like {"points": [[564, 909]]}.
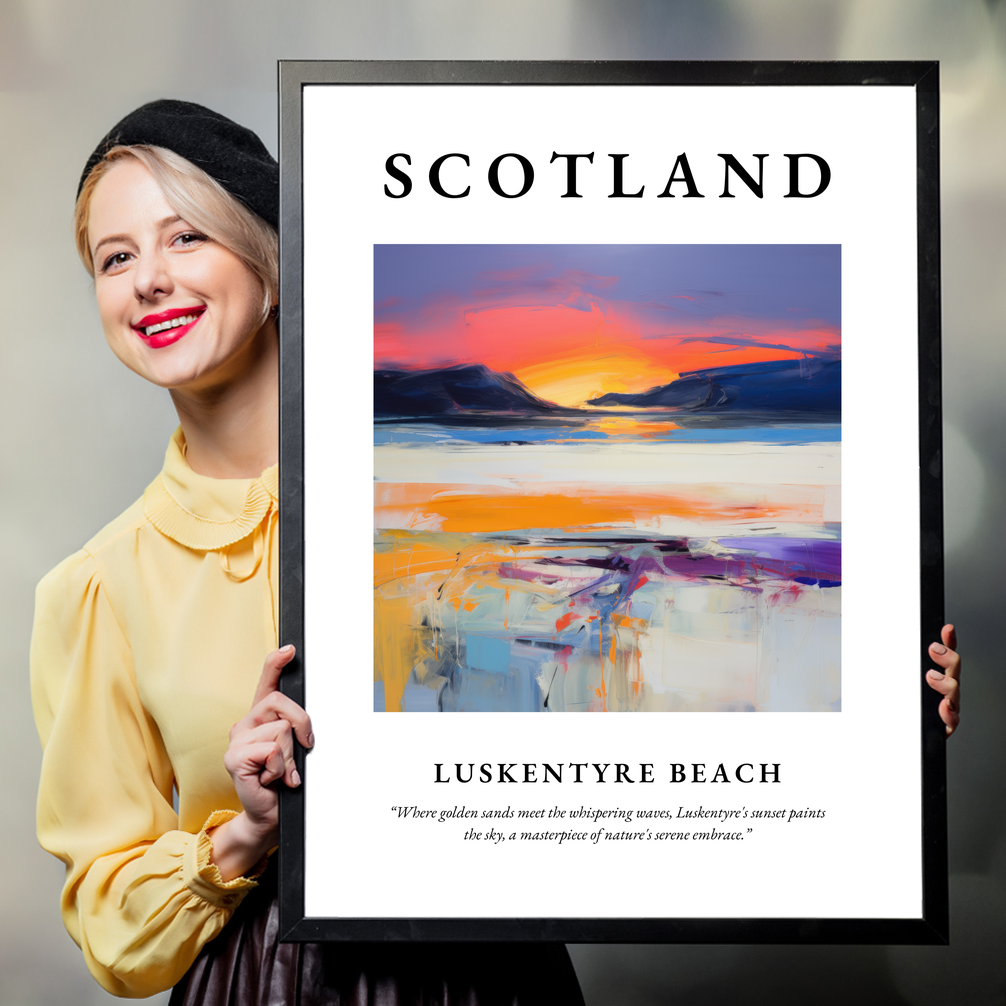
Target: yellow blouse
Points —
{"points": [[147, 647]]}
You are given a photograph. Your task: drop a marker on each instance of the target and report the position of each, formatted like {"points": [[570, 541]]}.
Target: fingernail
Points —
{"points": [[938, 648], [287, 649], [310, 740], [936, 675], [295, 777]]}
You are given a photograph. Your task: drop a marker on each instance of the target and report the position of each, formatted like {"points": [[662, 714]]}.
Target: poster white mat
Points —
{"points": [[863, 859]]}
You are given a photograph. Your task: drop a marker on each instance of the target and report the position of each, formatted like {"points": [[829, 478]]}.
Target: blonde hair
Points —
{"points": [[199, 200]]}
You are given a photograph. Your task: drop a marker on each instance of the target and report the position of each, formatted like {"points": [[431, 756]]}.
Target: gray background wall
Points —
{"points": [[82, 436]]}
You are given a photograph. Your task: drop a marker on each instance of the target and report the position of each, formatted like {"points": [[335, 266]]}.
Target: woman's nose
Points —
{"points": [[152, 277]]}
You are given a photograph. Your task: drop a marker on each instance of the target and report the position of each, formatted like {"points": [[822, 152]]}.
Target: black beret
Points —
{"points": [[231, 154]]}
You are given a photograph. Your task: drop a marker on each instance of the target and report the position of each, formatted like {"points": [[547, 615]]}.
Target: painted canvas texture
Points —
{"points": [[607, 478]]}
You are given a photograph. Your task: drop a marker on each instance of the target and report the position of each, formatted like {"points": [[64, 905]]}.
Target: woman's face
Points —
{"points": [[177, 308]]}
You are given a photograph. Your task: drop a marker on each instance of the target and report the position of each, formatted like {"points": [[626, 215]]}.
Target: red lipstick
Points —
{"points": [[166, 327]]}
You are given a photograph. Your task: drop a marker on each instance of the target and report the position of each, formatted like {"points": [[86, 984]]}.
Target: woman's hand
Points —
{"points": [[948, 681], [260, 753]]}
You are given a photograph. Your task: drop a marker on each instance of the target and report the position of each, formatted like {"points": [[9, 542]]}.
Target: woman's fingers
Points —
{"points": [[946, 656], [277, 735], [261, 749], [277, 706], [949, 636], [271, 671], [947, 680], [274, 766], [948, 659], [270, 703], [949, 711], [260, 761], [949, 688]]}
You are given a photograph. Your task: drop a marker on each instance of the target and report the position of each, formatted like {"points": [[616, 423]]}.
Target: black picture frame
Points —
{"points": [[932, 925]]}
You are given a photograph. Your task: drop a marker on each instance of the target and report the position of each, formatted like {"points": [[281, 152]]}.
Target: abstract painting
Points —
{"points": [[607, 478]]}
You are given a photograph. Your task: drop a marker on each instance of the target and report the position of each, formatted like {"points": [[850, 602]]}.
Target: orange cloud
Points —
{"points": [[567, 354]]}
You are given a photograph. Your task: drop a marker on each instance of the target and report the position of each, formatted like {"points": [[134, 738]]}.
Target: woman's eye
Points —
{"points": [[114, 261], [190, 238]]}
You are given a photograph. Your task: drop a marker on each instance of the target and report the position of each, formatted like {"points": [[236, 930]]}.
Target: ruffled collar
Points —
{"points": [[203, 513]]}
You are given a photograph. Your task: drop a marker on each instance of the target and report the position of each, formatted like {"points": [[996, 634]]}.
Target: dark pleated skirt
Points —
{"points": [[246, 965]]}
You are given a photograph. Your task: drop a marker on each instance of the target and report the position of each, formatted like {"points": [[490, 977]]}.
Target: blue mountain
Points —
{"points": [[780, 387], [453, 391]]}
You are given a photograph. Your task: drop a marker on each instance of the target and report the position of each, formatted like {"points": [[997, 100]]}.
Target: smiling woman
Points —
{"points": [[157, 278], [149, 643]]}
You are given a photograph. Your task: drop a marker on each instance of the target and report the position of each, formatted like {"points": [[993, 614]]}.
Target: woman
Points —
{"points": [[149, 642]]}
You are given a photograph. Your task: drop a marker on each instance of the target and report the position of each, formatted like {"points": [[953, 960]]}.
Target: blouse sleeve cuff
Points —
{"points": [[202, 876]]}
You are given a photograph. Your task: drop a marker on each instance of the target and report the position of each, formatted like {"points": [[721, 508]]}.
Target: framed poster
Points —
{"points": [[622, 380]]}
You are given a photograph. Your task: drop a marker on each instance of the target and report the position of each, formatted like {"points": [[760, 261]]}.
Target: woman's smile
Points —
{"points": [[166, 327]]}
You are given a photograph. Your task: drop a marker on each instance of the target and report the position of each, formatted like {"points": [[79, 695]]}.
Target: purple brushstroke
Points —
{"points": [[804, 561], [817, 557]]}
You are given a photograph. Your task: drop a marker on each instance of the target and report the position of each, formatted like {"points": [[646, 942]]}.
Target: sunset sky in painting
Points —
{"points": [[575, 321]]}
